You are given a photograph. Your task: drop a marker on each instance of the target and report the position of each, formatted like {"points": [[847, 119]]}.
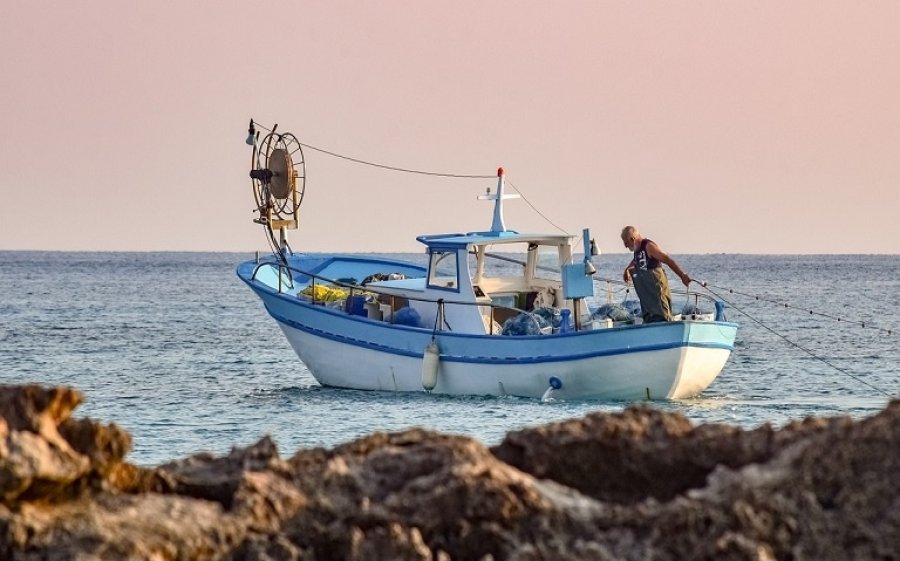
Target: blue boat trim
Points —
{"points": [[320, 308], [493, 360]]}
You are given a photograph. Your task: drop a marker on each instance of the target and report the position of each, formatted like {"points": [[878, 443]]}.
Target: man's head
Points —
{"points": [[630, 237]]}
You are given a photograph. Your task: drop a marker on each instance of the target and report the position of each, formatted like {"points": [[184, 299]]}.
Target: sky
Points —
{"points": [[712, 126]]}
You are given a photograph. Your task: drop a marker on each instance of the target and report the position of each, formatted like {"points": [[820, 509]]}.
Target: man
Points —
{"points": [[648, 276]]}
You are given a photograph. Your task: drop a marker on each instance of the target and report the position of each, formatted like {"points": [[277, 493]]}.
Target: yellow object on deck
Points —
{"points": [[324, 293]]}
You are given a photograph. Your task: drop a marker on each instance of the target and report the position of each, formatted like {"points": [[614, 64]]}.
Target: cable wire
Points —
{"points": [[422, 172], [524, 198], [395, 168]]}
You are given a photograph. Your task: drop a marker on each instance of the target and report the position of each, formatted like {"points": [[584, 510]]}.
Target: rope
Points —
{"points": [[282, 259], [420, 172], [863, 324], [792, 343], [534, 208], [382, 166], [433, 174], [440, 319], [437, 318], [394, 168]]}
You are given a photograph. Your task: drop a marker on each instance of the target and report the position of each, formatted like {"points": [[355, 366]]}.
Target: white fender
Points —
{"points": [[430, 363]]}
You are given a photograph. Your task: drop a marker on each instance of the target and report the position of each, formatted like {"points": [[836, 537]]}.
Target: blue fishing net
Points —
{"points": [[633, 306], [615, 312], [408, 316], [524, 324], [691, 309], [552, 316]]}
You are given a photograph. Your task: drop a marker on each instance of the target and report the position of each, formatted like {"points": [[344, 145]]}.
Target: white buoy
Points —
{"points": [[430, 364]]}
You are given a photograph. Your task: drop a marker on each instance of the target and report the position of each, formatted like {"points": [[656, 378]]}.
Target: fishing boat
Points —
{"points": [[493, 312]]}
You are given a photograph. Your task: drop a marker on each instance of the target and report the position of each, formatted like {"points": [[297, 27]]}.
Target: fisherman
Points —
{"points": [[646, 272]]}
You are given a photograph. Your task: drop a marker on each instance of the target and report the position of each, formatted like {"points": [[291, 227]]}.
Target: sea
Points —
{"points": [[176, 350]]}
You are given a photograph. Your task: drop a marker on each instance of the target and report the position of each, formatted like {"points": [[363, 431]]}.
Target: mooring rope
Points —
{"points": [[863, 324], [708, 286], [790, 342]]}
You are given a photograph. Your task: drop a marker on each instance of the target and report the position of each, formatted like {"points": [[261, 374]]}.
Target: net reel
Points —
{"points": [[278, 178]]}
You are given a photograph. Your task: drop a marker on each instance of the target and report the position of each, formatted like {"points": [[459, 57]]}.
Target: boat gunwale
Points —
{"points": [[319, 307], [504, 340], [483, 359]]}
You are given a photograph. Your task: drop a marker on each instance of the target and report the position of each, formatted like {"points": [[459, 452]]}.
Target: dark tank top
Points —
{"points": [[642, 259]]}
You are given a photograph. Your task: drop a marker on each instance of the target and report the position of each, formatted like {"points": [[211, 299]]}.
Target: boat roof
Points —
{"points": [[457, 240]]}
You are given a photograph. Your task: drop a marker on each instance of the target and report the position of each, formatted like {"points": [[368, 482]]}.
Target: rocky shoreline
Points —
{"points": [[635, 485]]}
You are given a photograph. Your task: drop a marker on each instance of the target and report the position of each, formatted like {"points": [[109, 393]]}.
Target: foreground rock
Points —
{"points": [[636, 485]]}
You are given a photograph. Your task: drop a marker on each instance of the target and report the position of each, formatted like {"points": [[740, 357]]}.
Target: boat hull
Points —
{"points": [[669, 360]]}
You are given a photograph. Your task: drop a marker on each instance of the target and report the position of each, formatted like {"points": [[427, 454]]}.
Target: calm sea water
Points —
{"points": [[175, 349]]}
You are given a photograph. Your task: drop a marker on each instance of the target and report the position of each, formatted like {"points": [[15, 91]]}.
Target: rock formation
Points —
{"points": [[635, 485]]}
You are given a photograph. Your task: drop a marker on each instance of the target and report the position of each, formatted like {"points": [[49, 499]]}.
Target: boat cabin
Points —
{"points": [[477, 297], [460, 293]]}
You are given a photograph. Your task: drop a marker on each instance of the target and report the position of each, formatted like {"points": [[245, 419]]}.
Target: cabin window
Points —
{"points": [[443, 270], [548, 263]]}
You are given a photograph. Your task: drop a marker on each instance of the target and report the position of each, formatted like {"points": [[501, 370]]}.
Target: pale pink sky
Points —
{"points": [[737, 127]]}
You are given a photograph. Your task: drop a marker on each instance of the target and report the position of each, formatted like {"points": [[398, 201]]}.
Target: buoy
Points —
{"points": [[430, 363]]}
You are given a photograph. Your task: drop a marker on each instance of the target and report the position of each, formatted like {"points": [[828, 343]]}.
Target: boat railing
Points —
{"points": [[394, 301], [344, 301], [693, 303], [683, 301], [692, 300]]}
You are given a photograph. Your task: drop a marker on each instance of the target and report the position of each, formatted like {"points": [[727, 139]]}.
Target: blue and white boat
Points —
{"points": [[458, 325]]}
